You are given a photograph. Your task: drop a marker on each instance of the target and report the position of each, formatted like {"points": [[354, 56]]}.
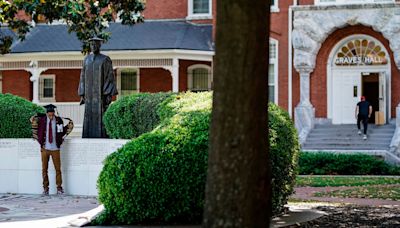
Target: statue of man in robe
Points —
{"points": [[96, 88]]}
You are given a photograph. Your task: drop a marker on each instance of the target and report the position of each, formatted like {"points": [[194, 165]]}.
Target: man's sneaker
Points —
{"points": [[60, 191], [359, 132], [365, 137], [45, 192]]}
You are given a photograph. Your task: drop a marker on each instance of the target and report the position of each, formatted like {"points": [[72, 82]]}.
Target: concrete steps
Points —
{"points": [[345, 137]]}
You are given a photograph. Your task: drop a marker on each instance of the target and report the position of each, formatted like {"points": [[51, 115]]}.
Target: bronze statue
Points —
{"points": [[96, 88]]}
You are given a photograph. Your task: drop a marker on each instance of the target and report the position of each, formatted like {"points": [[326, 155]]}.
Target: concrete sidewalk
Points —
{"points": [[42, 211]]}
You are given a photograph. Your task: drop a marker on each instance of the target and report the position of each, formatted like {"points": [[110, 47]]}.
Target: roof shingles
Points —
{"points": [[152, 35]]}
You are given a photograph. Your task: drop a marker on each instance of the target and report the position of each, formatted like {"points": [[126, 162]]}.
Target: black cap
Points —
{"points": [[50, 107]]}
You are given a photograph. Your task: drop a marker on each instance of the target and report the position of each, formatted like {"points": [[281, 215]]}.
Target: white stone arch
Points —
{"points": [[312, 27], [378, 68], [313, 24]]}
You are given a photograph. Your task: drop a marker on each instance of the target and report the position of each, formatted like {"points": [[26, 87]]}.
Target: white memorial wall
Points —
{"points": [[81, 164]]}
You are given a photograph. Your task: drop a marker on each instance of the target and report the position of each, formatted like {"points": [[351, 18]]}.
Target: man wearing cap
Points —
{"points": [[363, 113], [51, 131], [96, 89]]}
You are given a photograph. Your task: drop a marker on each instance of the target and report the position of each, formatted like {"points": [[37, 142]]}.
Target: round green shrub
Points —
{"points": [[15, 113], [284, 151], [133, 115], [160, 176]]}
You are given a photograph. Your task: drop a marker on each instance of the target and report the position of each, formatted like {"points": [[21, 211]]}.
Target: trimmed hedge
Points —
{"points": [[133, 115], [15, 113], [284, 151], [159, 177], [323, 163]]}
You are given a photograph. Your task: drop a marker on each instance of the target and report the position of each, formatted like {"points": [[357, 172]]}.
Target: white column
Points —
{"points": [[175, 75], [304, 111], [35, 71], [305, 87]]}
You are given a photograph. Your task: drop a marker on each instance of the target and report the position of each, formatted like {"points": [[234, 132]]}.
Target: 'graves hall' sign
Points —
{"points": [[360, 52]]}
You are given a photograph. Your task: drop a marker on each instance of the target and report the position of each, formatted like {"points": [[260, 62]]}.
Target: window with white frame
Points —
{"points": [[274, 6], [47, 85], [127, 81], [273, 71], [199, 9], [199, 78]]}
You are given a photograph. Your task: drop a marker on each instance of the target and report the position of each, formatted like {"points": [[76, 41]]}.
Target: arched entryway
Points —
{"points": [[358, 65]]}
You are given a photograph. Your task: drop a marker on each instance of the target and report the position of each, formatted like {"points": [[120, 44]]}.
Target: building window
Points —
{"points": [[47, 86], [273, 71], [199, 9], [199, 78], [127, 81], [274, 6]]}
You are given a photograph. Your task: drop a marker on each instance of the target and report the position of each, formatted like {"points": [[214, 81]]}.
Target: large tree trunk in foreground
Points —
{"points": [[238, 183]]}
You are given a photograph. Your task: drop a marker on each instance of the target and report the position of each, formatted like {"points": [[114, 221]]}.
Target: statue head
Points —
{"points": [[95, 44]]}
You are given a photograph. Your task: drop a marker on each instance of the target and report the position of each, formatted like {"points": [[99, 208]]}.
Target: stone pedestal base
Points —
{"points": [[395, 143], [304, 120]]}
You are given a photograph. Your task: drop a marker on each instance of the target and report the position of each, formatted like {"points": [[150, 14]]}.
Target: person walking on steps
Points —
{"points": [[363, 113]]}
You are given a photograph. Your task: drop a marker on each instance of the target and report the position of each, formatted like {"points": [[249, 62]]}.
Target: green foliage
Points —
{"points": [[15, 113], [159, 177], [133, 115], [323, 163], [284, 152], [85, 18]]}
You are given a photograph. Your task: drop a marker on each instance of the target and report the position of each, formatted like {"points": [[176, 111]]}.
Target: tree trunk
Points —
{"points": [[238, 184]]}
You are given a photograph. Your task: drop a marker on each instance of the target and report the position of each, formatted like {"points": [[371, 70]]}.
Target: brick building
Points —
{"points": [[324, 54]]}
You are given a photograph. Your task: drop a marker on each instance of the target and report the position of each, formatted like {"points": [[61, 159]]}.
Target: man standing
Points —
{"points": [[96, 89], [51, 131], [363, 113]]}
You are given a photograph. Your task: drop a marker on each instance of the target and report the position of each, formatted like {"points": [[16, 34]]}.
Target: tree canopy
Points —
{"points": [[87, 18]]}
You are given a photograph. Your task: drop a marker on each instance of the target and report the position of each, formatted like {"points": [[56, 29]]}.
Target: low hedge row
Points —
{"points": [[159, 177], [323, 163], [15, 113]]}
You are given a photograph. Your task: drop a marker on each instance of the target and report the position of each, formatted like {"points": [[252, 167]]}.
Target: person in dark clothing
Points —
{"points": [[50, 135], [363, 113]]}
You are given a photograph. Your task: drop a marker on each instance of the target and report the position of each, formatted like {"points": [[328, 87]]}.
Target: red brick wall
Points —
{"points": [[183, 72], [155, 80], [171, 9], [17, 82], [318, 77], [67, 81], [279, 31]]}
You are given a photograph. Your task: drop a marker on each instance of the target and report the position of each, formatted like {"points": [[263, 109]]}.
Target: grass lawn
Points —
{"points": [[372, 192], [336, 181]]}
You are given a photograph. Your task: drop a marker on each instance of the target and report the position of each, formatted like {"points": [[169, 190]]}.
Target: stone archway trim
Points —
{"points": [[312, 25]]}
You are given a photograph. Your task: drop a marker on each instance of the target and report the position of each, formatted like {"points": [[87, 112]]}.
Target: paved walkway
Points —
{"points": [[42, 211], [63, 211]]}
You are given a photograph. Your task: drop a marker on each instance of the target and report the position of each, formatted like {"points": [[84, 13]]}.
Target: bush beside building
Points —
{"points": [[159, 177]]}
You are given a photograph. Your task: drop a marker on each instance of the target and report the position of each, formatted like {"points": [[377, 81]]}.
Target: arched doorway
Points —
{"points": [[358, 65]]}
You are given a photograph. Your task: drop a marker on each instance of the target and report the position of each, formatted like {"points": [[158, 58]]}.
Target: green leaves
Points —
{"points": [[15, 113], [322, 163], [159, 177], [85, 18]]}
